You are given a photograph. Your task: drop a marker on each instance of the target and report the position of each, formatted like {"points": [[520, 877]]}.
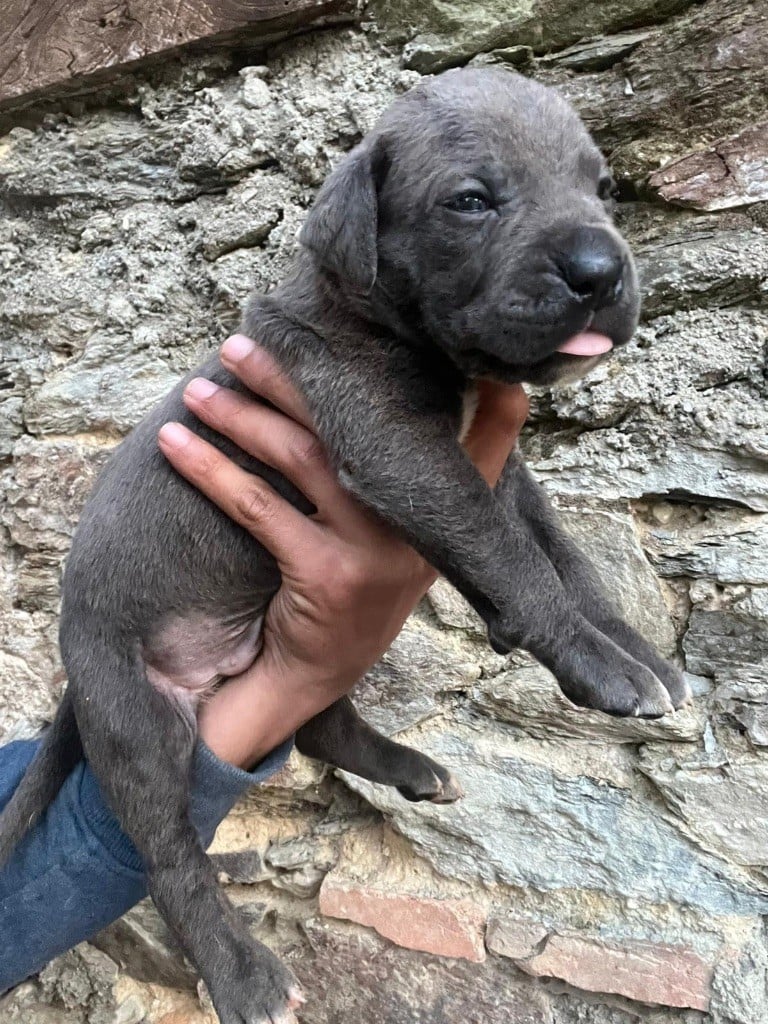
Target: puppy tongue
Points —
{"points": [[588, 343]]}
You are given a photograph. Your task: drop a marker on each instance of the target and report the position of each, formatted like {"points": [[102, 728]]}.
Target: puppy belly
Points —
{"points": [[189, 656]]}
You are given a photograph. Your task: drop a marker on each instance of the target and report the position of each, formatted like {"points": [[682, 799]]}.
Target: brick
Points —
{"points": [[445, 927], [647, 972]]}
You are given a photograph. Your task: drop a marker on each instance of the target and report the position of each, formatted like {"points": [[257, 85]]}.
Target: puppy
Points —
{"points": [[468, 236]]}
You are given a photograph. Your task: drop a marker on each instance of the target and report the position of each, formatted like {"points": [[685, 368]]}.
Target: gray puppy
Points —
{"points": [[468, 236]]}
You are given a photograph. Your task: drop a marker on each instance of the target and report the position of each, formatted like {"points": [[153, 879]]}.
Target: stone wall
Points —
{"points": [[598, 871]]}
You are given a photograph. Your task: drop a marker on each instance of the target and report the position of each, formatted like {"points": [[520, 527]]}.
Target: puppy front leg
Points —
{"points": [[525, 498], [418, 478]]}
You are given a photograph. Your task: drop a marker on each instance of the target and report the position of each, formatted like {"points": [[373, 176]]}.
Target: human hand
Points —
{"points": [[348, 580]]}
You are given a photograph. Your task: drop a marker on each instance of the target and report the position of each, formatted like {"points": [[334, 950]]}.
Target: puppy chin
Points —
{"points": [[575, 368], [562, 369]]}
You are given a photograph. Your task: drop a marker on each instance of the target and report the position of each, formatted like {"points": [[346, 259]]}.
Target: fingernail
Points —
{"points": [[201, 388], [173, 435], [236, 348]]}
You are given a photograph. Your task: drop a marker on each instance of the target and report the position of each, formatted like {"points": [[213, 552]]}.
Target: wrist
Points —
{"points": [[241, 723]]}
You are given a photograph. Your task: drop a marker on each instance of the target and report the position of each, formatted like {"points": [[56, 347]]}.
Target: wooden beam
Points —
{"points": [[46, 45]]}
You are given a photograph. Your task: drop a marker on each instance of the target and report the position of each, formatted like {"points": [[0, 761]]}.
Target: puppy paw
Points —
{"points": [[431, 782], [597, 674], [637, 647], [674, 683], [256, 989]]}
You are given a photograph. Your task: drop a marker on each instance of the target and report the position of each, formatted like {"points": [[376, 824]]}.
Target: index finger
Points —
{"points": [[256, 368], [247, 499]]}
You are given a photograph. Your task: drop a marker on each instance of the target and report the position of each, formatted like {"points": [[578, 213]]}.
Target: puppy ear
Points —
{"points": [[341, 227]]}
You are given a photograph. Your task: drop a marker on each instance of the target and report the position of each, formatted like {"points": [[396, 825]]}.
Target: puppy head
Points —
{"points": [[477, 216]]}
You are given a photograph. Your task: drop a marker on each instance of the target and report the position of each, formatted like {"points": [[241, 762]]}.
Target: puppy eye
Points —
{"points": [[469, 202], [606, 188]]}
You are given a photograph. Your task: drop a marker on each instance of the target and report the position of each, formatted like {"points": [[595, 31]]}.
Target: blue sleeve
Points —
{"points": [[76, 871]]}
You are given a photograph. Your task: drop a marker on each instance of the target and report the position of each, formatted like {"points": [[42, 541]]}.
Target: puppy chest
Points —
{"points": [[469, 403]]}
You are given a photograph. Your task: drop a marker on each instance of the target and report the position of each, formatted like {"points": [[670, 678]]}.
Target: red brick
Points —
{"points": [[647, 972], [445, 927]]}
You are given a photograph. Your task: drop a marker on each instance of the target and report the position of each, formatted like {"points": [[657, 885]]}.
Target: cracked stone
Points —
{"points": [[732, 172]]}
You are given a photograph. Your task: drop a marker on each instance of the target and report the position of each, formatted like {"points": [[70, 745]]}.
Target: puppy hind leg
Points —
{"points": [[140, 746], [341, 737]]}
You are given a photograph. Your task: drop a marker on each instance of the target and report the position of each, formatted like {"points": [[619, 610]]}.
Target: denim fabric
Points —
{"points": [[76, 871]]}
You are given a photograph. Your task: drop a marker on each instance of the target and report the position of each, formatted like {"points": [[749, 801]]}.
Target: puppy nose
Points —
{"points": [[593, 266]]}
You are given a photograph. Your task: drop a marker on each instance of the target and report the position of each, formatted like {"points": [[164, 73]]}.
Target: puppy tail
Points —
{"points": [[58, 753]]}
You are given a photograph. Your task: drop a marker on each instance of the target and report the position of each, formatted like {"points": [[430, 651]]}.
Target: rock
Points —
{"points": [[688, 428], [453, 610], [83, 979], [518, 56], [701, 78], [255, 91], [351, 967], [303, 883], [449, 34], [527, 696], [721, 350], [141, 943], [445, 927], [24, 1005], [740, 985], [514, 937], [724, 805], [729, 546], [30, 668], [731, 172], [50, 482], [565, 1012], [407, 685], [744, 700], [300, 864], [524, 824], [93, 397], [298, 852], [254, 207], [730, 639], [598, 53], [645, 972], [707, 269], [300, 778], [612, 545]]}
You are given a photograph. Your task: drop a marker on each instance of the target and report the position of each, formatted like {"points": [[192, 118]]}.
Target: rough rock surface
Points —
{"points": [[598, 871]]}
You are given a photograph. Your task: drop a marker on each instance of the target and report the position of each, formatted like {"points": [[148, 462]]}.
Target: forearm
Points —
{"points": [[76, 871]]}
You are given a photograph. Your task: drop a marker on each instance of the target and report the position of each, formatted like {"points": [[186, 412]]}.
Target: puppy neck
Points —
{"points": [[469, 403]]}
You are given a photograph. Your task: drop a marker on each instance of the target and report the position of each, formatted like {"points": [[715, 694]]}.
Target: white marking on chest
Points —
{"points": [[469, 403]]}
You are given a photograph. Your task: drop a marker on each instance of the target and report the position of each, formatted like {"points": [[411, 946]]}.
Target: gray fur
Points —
{"points": [[398, 292]]}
